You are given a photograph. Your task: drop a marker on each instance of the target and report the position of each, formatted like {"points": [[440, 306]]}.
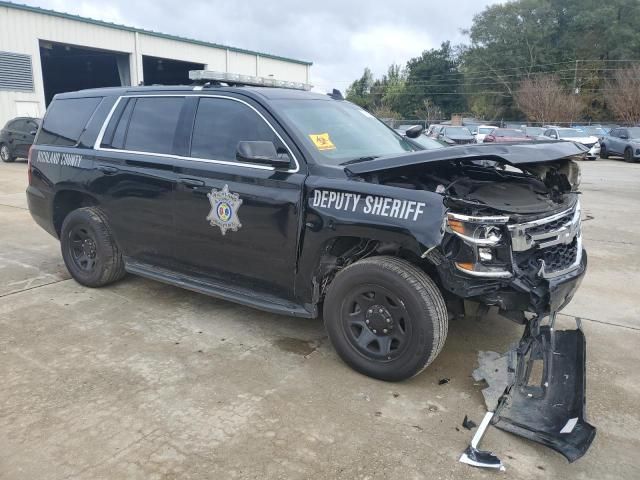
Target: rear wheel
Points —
{"points": [[5, 153], [603, 152], [89, 249], [628, 155], [385, 317]]}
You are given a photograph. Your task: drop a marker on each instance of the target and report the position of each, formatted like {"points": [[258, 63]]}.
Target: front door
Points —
{"points": [[237, 223]]}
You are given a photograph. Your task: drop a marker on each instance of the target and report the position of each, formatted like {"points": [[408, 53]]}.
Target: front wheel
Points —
{"points": [[628, 155], [5, 154], [386, 318], [603, 152]]}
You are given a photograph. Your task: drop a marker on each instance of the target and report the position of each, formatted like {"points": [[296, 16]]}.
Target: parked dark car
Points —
{"points": [[622, 141], [306, 205], [17, 137], [456, 135], [505, 135]]}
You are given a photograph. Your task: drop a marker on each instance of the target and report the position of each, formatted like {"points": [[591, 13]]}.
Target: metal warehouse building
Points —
{"points": [[44, 52]]}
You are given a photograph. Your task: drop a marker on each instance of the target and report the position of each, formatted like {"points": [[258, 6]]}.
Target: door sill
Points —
{"points": [[267, 303]]}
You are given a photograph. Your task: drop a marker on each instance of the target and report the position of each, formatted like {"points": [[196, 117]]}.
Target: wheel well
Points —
{"points": [[341, 252], [67, 201]]}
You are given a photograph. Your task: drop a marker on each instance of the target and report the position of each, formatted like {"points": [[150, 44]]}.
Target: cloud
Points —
{"points": [[340, 37]]}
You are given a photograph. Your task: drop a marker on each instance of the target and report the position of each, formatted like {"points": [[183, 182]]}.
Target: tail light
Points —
{"points": [[29, 163], [489, 138]]}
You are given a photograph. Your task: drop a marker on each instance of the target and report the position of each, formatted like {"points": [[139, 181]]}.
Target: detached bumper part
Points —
{"points": [[480, 458], [550, 412], [537, 391]]}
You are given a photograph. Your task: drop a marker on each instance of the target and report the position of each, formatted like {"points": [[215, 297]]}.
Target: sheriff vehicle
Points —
{"points": [[263, 193]]}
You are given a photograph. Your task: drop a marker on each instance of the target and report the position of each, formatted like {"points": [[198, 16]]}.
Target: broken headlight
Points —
{"points": [[483, 251]]}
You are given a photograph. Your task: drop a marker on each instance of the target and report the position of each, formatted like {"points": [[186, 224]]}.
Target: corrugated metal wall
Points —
{"points": [[21, 31]]}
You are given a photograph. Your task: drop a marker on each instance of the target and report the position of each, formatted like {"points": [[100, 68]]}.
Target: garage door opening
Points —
{"points": [[66, 68], [164, 71]]}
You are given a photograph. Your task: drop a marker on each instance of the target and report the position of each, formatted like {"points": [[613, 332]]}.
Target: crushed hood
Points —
{"points": [[520, 154]]}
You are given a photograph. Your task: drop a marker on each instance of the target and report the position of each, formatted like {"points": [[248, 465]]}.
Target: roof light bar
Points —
{"points": [[236, 79]]}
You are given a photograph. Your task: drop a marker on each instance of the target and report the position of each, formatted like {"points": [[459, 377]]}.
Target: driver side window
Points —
{"points": [[221, 123]]}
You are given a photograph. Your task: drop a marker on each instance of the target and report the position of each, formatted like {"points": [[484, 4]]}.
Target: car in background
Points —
{"points": [[506, 135], [429, 143], [482, 131], [456, 135], [17, 137], [577, 136], [622, 141], [434, 130], [533, 132]]}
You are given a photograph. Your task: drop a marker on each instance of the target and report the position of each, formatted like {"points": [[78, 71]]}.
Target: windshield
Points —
{"points": [[570, 133], [485, 130], [456, 131], [428, 143], [598, 131], [634, 133], [508, 133], [338, 131], [535, 130]]}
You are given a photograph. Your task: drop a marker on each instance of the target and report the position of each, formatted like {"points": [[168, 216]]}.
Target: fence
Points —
{"points": [[393, 123]]}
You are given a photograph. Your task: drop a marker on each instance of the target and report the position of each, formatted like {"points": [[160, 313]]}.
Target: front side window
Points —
{"points": [[153, 123], [221, 123], [338, 131]]}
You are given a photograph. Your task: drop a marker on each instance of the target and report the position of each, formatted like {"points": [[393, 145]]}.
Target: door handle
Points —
{"points": [[108, 169], [191, 182]]}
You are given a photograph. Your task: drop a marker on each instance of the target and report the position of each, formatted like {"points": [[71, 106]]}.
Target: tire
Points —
{"points": [[380, 292], [5, 153], [603, 152], [628, 155], [89, 249]]}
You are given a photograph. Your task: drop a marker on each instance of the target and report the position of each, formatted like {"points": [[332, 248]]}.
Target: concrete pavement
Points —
{"points": [[143, 380]]}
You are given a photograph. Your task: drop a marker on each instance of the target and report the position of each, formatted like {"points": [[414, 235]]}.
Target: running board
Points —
{"points": [[214, 289]]}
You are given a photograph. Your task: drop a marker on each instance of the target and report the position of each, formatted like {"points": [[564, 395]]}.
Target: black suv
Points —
{"points": [[306, 205], [16, 138]]}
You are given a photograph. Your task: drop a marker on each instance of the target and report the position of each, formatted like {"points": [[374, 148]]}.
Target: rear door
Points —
{"points": [[134, 175], [23, 136], [614, 142], [238, 223]]}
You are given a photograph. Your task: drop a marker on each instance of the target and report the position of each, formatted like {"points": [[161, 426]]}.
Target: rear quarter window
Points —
{"points": [[66, 119]]}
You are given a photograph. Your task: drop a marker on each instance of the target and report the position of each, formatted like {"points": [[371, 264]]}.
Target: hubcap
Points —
{"points": [[376, 322], [83, 249]]}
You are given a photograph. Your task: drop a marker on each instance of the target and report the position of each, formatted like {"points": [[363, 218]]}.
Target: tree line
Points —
{"points": [[546, 61]]}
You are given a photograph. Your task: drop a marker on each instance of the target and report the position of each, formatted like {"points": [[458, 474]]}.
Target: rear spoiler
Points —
{"points": [[542, 151]]}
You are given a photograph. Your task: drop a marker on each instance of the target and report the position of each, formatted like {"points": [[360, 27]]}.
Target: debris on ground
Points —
{"points": [[443, 381], [468, 424]]}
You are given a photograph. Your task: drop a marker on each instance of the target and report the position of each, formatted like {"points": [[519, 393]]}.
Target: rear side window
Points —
{"points": [[153, 123], [221, 123], [66, 119]]}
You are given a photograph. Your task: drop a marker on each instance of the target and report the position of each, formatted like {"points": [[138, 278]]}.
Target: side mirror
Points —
{"points": [[263, 153], [414, 132], [553, 135], [624, 137], [33, 132]]}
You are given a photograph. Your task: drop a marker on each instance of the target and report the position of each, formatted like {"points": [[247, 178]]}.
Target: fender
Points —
{"points": [[335, 208]]}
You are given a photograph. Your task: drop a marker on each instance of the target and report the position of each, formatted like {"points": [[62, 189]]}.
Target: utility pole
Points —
{"points": [[575, 78]]}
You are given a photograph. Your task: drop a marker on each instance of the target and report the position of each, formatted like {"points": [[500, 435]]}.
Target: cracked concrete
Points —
{"points": [[143, 380]]}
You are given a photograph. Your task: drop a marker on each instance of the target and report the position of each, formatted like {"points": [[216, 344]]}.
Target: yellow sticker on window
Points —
{"points": [[322, 141]]}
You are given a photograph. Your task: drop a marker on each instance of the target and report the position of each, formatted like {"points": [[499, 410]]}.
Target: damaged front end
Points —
{"points": [[512, 238]]}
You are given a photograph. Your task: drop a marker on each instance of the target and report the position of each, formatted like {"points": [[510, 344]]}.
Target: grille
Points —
{"points": [[551, 226], [558, 257], [464, 142]]}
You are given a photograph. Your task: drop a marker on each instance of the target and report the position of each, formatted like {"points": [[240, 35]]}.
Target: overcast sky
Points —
{"points": [[341, 38]]}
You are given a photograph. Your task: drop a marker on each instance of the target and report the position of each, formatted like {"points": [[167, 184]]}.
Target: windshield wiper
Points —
{"points": [[360, 159]]}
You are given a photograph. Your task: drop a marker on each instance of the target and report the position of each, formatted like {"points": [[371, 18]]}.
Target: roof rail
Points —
{"points": [[210, 76]]}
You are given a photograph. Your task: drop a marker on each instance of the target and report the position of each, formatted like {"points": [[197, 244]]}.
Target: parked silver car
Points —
{"points": [[622, 141]]}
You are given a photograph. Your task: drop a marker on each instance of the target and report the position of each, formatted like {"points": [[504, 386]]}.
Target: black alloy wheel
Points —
{"points": [[376, 322], [83, 248]]}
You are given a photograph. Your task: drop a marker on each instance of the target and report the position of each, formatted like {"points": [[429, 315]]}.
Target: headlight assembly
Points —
{"points": [[477, 230]]}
